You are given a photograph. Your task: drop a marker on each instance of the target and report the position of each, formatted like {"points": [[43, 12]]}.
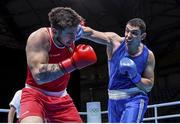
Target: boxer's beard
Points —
{"points": [[133, 46], [68, 47]]}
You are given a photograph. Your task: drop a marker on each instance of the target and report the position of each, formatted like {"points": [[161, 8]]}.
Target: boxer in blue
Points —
{"points": [[131, 71]]}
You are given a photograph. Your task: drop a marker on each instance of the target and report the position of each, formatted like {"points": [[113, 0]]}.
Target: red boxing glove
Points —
{"points": [[83, 56]]}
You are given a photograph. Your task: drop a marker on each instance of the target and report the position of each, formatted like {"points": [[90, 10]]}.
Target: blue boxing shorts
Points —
{"points": [[124, 107]]}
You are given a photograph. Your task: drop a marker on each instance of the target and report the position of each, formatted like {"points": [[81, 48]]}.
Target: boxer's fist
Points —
{"points": [[79, 32], [83, 56], [128, 67]]}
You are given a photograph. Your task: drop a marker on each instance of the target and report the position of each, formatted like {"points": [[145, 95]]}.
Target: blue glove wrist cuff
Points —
{"points": [[136, 79]]}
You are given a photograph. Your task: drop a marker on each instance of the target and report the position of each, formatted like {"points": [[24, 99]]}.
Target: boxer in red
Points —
{"points": [[51, 57]]}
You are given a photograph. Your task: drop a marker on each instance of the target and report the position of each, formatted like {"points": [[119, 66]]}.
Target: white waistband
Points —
{"points": [[123, 93], [49, 93]]}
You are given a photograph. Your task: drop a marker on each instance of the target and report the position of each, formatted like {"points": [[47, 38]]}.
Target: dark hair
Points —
{"points": [[64, 17], [137, 22]]}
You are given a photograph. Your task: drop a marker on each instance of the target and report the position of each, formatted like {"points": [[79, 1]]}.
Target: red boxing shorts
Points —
{"points": [[54, 109]]}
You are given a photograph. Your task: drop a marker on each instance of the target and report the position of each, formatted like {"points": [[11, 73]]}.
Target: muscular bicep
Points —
{"points": [[149, 71], [148, 75], [36, 53], [36, 57], [147, 80]]}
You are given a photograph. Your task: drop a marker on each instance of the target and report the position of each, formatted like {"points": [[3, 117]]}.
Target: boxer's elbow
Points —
{"points": [[146, 84], [148, 89], [149, 86]]}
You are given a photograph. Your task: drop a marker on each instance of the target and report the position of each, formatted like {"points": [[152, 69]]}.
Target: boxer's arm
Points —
{"points": [[147, 80], [37, 59], [105, 38]]}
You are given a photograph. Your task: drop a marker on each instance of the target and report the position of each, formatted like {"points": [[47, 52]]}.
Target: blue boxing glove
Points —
{"points": [[79, 33], [128, 67]]}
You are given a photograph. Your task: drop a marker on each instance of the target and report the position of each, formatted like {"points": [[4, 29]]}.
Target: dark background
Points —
{"points": [[18, 18]]}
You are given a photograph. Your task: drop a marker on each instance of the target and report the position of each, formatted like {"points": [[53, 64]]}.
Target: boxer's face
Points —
{"points": [[133, 37], [132, 33], [66, 36]]}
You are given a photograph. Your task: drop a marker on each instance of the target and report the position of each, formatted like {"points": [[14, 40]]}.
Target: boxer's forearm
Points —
{"points": [[146, 84], [46, 73], [96, 36]]}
